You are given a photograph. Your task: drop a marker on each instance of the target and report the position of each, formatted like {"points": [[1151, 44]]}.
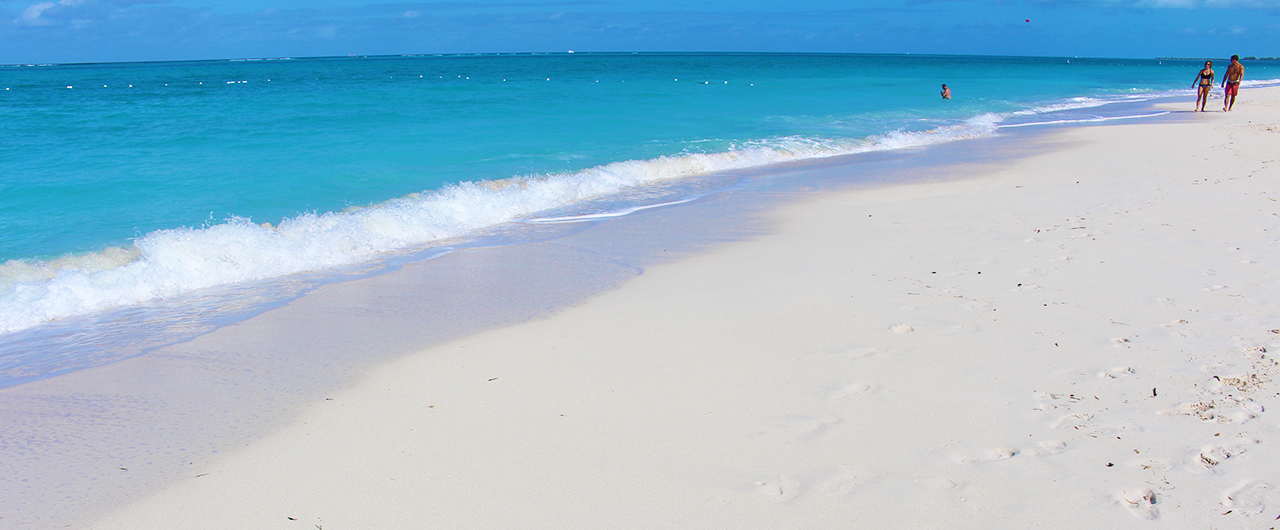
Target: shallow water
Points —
{"points": [[131, 195]]}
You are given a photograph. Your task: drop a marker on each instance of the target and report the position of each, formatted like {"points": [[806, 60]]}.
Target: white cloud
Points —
{"points": [[33, 14]]}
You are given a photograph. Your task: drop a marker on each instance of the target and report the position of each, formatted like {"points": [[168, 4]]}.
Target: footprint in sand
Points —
{"points": [[1158, 465], [1213, 455], [1211, 411], [901, 328], [1051, 447], [1119, 371], [1031, 272], [781, 489], [1247, 498], [938, 483], [993, 455], [848, 391], [1002, 453], [805, 427], [1202, 410], [1050, 401], [1255, 352], [859, 353], [1252, 407], [961, 328], [847, 480], [1246, 383], [1141, 502], [1173, 332], [1227, 399], [1072, 421]]}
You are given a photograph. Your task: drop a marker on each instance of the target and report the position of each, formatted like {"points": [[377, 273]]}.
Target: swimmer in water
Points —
{"points": [[946, 92]]}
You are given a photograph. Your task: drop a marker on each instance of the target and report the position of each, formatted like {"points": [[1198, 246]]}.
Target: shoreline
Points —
{"points": [[612, 440], [220, 390], [69, 308]]}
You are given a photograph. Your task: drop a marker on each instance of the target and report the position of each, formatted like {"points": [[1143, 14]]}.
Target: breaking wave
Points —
{"points": [[170, 262]]}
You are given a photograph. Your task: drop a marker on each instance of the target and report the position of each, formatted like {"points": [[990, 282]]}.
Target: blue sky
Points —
{"points": [[39, 31]]}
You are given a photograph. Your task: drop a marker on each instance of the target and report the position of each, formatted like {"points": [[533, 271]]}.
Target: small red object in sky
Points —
{"points": [[1028, 20]]}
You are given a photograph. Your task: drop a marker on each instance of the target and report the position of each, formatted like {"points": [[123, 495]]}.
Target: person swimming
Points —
{"points": [[1205, 81], [946, 92]]}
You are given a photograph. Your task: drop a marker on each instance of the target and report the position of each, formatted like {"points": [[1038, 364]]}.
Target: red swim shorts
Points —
{"points": [[1232, 89]]}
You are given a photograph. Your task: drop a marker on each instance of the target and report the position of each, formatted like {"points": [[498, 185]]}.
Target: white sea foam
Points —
{"points": [[1078, 103], [1084, 120], [1248, 83], [1070, 104], [170, 262], [606, 215]]}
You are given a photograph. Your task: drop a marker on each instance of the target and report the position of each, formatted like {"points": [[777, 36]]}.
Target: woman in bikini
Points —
{"points": [[1205, 80]]}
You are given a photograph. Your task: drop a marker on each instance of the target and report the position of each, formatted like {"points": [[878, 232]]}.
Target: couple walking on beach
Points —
{"points": [[1230, 84]]}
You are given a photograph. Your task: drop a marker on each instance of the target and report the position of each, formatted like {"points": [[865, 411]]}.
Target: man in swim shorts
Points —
{"points": [[1231, 83], [946, 92]]}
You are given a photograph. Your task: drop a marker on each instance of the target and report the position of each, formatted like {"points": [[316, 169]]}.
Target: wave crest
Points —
{"points": [[169, 262]]}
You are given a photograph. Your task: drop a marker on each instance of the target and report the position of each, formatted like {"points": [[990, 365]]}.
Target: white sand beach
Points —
{"points": [[1080, 338]]}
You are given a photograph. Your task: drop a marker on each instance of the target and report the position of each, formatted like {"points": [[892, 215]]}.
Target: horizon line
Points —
{"points": [[574, 52]]}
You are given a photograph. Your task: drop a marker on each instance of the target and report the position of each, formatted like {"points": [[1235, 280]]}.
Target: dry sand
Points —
{"points": [[1081, 339]]}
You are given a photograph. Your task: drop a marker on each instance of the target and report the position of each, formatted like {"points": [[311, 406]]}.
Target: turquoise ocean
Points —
{"points": [[144, 203]]}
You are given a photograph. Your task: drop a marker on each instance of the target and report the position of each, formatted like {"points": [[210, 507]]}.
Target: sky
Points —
{"points": [[60, 31]]}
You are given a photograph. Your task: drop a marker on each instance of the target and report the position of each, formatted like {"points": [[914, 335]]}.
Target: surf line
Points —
{"points": [[1083, 120], [606, 215]]}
